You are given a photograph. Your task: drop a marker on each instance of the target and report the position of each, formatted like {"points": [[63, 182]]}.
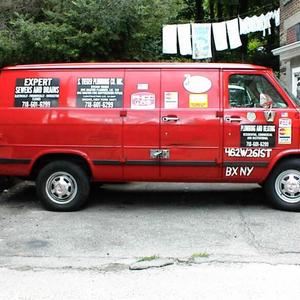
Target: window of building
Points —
{"points": [[297, 32]]}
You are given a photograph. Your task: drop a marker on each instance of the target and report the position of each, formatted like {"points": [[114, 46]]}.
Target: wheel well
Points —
{"points": [[281, 161], [285, 158], [46, 159]]}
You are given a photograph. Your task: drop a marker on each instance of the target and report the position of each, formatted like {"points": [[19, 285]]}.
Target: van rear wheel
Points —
{"points": [[283, 186], [62, 186]]}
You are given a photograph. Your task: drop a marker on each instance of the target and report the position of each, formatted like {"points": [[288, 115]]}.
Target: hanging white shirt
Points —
{"points": [[277, 16], [170, 39], [220, 36], [184, 39], [243, 25], [201, 36], [233, 33], [267, 22]]}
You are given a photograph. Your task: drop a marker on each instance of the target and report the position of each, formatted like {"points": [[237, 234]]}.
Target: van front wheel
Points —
{"points": [[62, 186], [283, 186]]}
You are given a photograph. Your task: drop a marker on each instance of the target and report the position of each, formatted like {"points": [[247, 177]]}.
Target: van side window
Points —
{"points": [[253, 91]]}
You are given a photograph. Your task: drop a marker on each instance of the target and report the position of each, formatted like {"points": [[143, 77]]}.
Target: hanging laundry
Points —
{"points": [[220, 36], [170, 39], [201, 36], [267, 22], [244, 25], [251, 24], [277, 17], [184, 39], [260, 22], [233, 33]]}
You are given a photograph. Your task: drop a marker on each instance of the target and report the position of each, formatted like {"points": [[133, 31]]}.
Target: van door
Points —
{"points": [[258, 124], [190, 125], [141, 124]]}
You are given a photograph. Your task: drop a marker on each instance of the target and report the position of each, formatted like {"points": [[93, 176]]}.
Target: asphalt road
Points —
{"points": [[237, 235]]}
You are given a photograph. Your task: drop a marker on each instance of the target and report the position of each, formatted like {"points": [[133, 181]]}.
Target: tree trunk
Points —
{"points": [[199, 15], [243, 8]]}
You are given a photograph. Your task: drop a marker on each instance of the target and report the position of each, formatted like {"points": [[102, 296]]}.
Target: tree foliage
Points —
{"points": [[40, 31]]}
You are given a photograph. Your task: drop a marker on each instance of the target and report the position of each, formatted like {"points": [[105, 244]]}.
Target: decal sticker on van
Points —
{"points": [[143, 100], [258, 135], [142, 86], [198, 101], [37, 92], [251, 116], [100, 92], [196, 84], [171, 100], [285, 131]]}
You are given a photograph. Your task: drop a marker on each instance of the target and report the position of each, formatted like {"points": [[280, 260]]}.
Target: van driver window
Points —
{"points": [[253, 91]]}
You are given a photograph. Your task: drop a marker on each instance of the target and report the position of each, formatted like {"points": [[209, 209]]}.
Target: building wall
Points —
{"points": [[289, 18], [289, 34]]}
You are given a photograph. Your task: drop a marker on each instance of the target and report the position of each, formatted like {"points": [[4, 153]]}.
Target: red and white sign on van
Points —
{"points": [[143, 100]]}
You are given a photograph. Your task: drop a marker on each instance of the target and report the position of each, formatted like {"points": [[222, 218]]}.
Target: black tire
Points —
{"points": [[62, 186], [283, 186]]}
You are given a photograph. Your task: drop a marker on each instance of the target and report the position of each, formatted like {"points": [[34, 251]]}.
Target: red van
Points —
{"points": [[65, 125]]}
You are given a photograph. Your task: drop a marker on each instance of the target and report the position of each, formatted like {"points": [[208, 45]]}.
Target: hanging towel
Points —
{"points": [[220, 36], [170, 39], [184, 38], [201, 35], [233, 33]]}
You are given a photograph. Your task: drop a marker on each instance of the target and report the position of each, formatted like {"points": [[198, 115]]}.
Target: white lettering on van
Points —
{"points": [[37, 81], [23, 90], [238, 171], [50, 89], [247, 152]]}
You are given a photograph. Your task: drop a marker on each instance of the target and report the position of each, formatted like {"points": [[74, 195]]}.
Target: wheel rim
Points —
{"points": [[287, 186], [61, 188]]}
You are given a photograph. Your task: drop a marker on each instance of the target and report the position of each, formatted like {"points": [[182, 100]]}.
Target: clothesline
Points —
{"points": [[259, 10], [195, 39]]}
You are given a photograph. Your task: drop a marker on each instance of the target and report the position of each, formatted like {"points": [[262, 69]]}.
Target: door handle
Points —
{"points": [[170, 118], [233, 119]]}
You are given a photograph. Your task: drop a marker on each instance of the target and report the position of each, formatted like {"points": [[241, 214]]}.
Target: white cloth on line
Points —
{"points": [[267, 22], [244, 25], [201, 36], [251, 24], [277, 17], [220, 36], [170, 39], [184, 39], [233, 33], [260, 23]]}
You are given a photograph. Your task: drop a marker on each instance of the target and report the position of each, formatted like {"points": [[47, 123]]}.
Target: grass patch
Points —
{"points": [[200, 255], [148, 258]]}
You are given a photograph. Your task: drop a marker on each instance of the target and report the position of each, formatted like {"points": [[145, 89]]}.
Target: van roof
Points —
{"points": [[125, 65]]}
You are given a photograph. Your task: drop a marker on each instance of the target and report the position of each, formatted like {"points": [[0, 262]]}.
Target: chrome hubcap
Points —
{"points": [[61, 187], [287, 186]]}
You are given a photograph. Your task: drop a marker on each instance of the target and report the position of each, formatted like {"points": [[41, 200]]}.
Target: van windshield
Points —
{"points": [[292, 96]]}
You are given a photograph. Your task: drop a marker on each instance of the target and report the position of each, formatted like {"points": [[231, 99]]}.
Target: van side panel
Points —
{"points": [[27, 132]]}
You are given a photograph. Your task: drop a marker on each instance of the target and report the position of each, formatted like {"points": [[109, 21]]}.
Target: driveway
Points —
{"points": [[215, 229]]}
